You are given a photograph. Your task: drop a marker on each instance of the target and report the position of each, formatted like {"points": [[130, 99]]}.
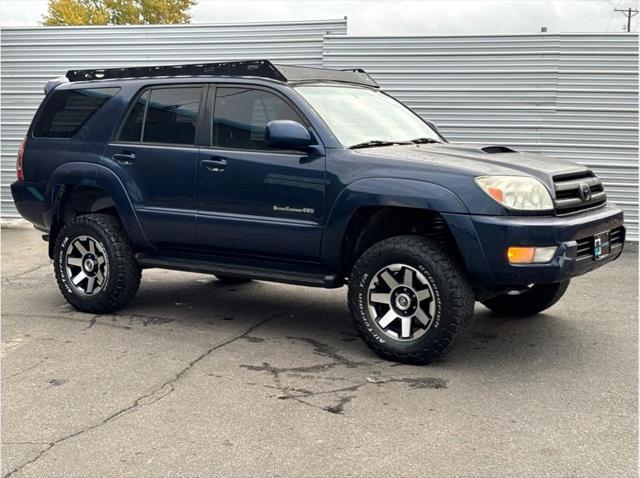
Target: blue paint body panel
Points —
{"points": [[296, 206]]}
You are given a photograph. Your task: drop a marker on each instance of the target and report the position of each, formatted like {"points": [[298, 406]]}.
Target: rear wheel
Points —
{"points": [[528, 301], [94, 264], [409, 299]]}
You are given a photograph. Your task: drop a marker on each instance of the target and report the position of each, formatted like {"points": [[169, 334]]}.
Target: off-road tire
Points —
{"points": [[453, 295], [537, 298], [124, 272], [230, 280]]}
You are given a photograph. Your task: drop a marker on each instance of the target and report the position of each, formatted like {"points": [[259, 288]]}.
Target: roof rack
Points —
{"points": [[259, 68]]}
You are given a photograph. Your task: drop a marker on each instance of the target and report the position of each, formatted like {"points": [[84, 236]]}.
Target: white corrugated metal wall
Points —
{"points": [[572, 96], [31, 56]]}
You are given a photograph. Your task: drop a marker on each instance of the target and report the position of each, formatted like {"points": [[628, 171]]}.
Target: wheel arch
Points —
{"points": [[79, 188], [379, 208]]}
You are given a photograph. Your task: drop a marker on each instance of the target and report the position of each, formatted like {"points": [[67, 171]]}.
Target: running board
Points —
{"points": [[262, 272]]}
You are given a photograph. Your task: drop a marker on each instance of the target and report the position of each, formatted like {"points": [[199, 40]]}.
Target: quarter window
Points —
{"points": [[241, 116], [132, 129], [67, 111]]}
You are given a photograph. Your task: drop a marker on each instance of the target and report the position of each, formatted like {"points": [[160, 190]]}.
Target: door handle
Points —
{"points": [[124, 158], [214, 164]]}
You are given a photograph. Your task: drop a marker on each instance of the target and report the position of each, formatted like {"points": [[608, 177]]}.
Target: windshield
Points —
{"points": [[360, 115]]}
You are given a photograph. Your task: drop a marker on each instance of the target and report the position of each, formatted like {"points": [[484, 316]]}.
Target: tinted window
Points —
{"points": [[66, 111], [241, 115], [172, 114], [132, 129]]}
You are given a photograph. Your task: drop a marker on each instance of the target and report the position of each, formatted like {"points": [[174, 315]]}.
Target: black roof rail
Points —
{"points": [[259, 68]]}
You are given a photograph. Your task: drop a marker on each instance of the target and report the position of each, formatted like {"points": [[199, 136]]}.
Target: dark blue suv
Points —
{"points": [[250, 170]]}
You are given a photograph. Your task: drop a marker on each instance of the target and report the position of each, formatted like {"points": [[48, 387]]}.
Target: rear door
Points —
{"points": [[155, 155], [253, 198]]}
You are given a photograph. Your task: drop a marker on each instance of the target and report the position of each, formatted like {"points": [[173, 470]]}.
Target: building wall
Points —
{"points": [[572, 96], [31, 56]]}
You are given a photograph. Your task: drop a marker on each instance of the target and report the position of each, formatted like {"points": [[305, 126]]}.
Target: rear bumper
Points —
{"points": [[487, 262], [28, 197]]}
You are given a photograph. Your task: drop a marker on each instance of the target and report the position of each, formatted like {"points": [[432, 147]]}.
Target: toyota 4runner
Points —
{"points": [[250, 170]]}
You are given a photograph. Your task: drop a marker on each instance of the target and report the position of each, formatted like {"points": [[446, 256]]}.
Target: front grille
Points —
{"points": [[570, 199], [585, 245], [617, 236]]}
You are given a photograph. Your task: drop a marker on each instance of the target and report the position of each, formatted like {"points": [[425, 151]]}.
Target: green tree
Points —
{"points": [[117, 12]]}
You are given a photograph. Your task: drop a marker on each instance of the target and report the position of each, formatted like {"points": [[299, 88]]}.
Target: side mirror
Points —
{"points": [[286, 134]]}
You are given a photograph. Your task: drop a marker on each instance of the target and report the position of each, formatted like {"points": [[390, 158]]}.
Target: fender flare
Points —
{"points": [[97, 176], [381, 192]]}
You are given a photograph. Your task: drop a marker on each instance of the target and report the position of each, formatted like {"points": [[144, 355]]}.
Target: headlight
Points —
{"points": [[522, 193]]}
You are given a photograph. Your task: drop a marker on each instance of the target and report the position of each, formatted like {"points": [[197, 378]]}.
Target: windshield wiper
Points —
{"points": [[424, 140], [377, 142]]}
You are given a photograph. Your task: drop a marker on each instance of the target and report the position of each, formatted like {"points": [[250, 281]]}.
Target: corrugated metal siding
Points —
{"points": [[572, 96], [31, 56]]}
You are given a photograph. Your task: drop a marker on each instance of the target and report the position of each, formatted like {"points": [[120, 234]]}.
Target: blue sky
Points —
{"points": [[400, 17]]}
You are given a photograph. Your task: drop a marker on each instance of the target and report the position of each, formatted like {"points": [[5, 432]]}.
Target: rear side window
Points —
{"points": [[164, 115], [66, 111], [241, 116]]}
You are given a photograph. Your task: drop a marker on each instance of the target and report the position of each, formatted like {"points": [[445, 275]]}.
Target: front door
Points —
{"points": [[253, 198], [156, 158]]}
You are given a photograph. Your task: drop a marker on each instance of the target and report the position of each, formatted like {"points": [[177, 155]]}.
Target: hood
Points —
{"points": [[474, 159]]}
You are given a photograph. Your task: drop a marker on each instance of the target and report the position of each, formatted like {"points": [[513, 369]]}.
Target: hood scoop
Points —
{"points": [[497, 149]]}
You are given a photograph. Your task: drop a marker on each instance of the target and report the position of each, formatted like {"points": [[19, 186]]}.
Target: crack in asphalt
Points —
{"points": [[145, 320], [338, 408], [67, 318], [25, 443], [28, 271], [25, 370], [168, 386], [300, 394]]}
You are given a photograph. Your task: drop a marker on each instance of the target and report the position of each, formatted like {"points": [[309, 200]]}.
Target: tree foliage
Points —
{"points": [[117, 12]]}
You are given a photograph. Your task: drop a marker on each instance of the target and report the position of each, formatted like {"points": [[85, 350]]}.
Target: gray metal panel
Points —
{"points": [[572, 96], [31, 56]]}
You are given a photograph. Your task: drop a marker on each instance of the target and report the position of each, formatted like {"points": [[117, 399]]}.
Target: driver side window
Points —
{"points": [[241, 116]]}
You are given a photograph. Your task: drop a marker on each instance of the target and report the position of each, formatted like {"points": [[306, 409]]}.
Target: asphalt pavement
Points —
{"points": [[195, 378]]}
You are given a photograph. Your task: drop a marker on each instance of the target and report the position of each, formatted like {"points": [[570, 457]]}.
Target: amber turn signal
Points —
{"points": [[530, 255], [521, 255]]}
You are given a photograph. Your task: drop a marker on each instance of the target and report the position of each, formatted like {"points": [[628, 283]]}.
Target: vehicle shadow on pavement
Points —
{"points": [[322, 315]]}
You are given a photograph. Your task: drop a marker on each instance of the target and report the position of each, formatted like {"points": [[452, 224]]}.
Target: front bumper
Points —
{"points": [[487, 262]]}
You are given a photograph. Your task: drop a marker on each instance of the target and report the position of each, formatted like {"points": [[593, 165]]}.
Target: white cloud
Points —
{"points": [[21, 12], [400, 17], [434, 17]]}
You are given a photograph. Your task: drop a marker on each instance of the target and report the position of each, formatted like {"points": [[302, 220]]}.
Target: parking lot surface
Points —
{"points": [[197, 379]]}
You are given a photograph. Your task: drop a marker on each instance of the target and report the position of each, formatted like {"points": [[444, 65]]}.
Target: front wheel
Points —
{"points": [[94, 264], [409, 299], [528, 301]]}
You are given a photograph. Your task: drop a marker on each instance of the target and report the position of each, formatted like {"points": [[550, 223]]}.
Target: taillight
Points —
{"points": [[19, 170]]}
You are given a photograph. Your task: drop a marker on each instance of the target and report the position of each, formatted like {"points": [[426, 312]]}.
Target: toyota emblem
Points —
{"points": [[584, 191]]}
